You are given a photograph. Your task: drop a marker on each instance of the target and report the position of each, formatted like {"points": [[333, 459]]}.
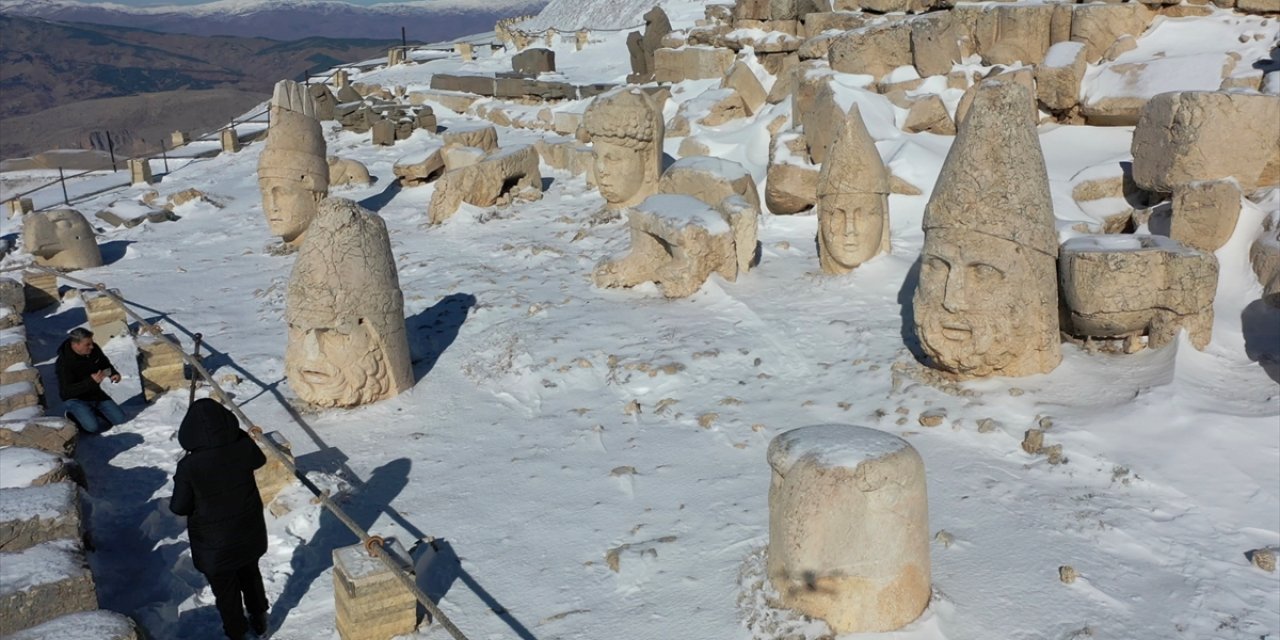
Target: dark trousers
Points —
{"points": [[236, 591]]}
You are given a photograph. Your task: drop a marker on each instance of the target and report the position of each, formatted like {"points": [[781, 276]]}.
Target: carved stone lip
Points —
{"points": [[48, 249], [956, 331], [316, 376]]}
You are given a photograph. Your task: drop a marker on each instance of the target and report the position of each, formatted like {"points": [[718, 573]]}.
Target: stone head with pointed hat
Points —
{"points": [[853, 199], [626, 132], [987, 300], [347, 342], [293, 173]]}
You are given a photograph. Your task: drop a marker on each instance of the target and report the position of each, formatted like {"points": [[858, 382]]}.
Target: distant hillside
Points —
{"points": [[423, 20], [47, 64]]}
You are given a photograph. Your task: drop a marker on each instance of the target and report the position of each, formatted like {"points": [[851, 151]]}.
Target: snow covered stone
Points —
{"points": [[791, 180], [13, 347], [853, 199], [229, 140], [27, 467], [928, 113], [419, 168], [532, 62], [1058, 77], [1185, 136], [140, 171], [677, 241], [345, 171], [1098, 25], [370, 603], [848, 527], [691, 63], [987, 300], [160, 366], [627, 132], [1264, 256], [18, 395], [43, 582], [33, 515], [710, 180], [347, 342], [61, 239], [873, 51], [1121, 285], [54, 435], [85, 625], [1205, 214], [509, 172], [742, 80], [293, 173], [107, 318]]}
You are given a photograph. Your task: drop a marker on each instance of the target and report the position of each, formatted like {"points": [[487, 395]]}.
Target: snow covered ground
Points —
{"points": [[562, 515]]}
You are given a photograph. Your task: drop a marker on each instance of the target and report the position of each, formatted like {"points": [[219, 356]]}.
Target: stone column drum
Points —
{"points": [[848, 527]]}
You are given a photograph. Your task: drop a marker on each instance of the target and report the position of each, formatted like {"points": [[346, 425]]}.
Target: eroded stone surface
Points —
{"points": [[61, 239], [987, 300], [508, 173], [627, 132], [1121, 285], [1205, 214], [848, 527], [347, 342], [347, 172]]}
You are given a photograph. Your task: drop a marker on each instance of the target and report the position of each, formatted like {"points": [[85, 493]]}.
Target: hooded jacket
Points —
{"points": [[75, 373], [214, 487]]}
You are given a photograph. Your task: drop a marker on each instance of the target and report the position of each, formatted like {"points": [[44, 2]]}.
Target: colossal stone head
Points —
{"points": [[293, 173], [987, 300], [61, 239], [347, 342], [626, 133], [853, 199]]}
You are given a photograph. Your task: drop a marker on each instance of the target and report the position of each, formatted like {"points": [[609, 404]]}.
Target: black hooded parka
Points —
{"points": [[214, 487]]}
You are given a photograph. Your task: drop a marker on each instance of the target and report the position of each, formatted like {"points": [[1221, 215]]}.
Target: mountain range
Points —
{"points": [[422, 20]]}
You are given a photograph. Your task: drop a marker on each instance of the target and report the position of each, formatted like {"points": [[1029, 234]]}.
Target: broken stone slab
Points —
{"points": [[419, 168], [370, 602], [1127, 285], [743, 81], [1189, 136], [1205, 214], [677, 241], [478, 85], [928, 113], [1059, 75], [481, 136], [43, 582], [456, 102], [511, 172], [710, 180], [531, 62], [37, 514], [1098, 25], [87, 625], [347, 172], [566, 155], [129, 214], [28, 467], [691, 63], [508, 87], [54, 435]]}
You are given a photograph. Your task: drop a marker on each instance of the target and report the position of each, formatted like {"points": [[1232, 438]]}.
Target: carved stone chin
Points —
{"points": [[62, 239]]}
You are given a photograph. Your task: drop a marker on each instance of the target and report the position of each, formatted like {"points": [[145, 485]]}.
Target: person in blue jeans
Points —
{"points": [[81, 367]]}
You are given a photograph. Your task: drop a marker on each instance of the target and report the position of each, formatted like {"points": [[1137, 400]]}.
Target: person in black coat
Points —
{"points": [[214, 487], [81, 366]]}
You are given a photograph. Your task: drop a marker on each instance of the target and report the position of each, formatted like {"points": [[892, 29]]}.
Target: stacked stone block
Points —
{"points": [[370, 602]]}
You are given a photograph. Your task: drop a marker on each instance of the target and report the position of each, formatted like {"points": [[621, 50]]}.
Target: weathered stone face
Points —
{"points": [[987, 300], [626, 131], [293, 173], [853, 199], [347, 342], [61, 239]]}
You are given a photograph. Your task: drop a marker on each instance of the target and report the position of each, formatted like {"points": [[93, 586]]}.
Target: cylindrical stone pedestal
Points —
{"points": [[848, 527]]}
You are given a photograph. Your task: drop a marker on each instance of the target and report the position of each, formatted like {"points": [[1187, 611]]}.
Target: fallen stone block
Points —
{"points": [[1098, 25], [370, 603], [107, 317], [691, 63], [1058, 77], [419, 168], [160, 367], [507, 173], [532, 62], [874, 51], [55, 435], [1205, 214], [791, 181], [478, 85], [928, 113], [18, 395], [96, 625], [483, 136]]}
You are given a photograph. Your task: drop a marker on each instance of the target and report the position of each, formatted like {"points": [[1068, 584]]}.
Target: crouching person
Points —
{"points": [[214, 487]]}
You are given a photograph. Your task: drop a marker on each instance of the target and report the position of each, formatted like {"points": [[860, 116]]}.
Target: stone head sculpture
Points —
{"points": [[61, 239], [347, 343], [293, 174], [626, 132], [853, 199], [987, 300]]}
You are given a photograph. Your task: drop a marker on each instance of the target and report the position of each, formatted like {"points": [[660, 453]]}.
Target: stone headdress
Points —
{"points": [[994, 179], [295, 143], [626, 117]]}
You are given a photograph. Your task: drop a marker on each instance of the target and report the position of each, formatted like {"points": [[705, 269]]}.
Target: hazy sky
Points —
{"points": [[153, 3]]}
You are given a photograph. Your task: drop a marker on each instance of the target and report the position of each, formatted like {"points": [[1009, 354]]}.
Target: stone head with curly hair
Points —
{"points": [[626, 132]]}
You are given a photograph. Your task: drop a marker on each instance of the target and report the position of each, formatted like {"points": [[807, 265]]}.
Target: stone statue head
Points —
{"points": [[61, 239], [853, 199], [293, 173], [626, 132], [347, 342], [987, 300]]}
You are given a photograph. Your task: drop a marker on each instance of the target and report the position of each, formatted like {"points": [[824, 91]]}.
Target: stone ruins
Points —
{"points": [[347, 341], [853, 199], [987, 300], [849, 527], [626, 131], [62, 239], [702, 220], [293, 173]]}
